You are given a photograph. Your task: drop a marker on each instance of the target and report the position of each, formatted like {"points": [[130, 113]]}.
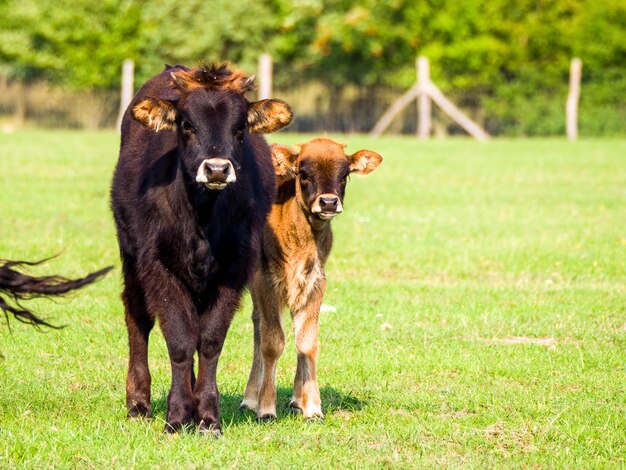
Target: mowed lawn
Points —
{"points": [[480, 296]]}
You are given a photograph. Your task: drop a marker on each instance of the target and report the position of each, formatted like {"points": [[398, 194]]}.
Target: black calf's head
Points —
{"points": [[321, 170], [206, 107]]}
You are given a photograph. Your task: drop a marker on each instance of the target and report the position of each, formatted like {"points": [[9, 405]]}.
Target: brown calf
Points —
{"points": [[296, 243]]}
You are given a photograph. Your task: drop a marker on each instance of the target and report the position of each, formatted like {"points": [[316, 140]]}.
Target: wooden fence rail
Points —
{"points": [[425, 91]]}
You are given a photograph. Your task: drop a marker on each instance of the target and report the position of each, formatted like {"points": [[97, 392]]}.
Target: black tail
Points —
{"points": [[19, 286]]}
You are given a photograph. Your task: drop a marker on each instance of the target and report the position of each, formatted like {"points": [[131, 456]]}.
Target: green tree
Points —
{"points": [[76, 43], [507, 62], [199, 30]]}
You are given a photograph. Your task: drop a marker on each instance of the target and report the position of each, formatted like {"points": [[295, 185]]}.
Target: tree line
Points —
{"points": [[505, 61]]}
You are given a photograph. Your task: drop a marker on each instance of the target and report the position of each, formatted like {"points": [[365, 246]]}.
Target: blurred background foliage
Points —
{"points": [[342, 62]]}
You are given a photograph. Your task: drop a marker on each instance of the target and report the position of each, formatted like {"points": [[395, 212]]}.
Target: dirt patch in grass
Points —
{"points": [[550, 343], [452, 414], [509, 440]]}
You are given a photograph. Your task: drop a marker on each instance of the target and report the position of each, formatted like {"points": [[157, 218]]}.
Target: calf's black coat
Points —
{"points": [[187, 250]]}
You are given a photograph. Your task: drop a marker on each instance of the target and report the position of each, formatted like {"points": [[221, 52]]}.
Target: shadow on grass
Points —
{"points": [[333, 401]]}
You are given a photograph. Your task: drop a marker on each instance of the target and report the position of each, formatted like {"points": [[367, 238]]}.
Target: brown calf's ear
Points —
{"points": [[284, 159], [267, 116], [364, 162], [156, 114]]}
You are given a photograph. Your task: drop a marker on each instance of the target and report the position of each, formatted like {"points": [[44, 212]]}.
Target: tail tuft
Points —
{"points": [[18, 286]]}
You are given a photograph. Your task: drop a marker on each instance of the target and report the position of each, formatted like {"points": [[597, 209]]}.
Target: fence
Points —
{"points": [[39, 104], [318, 108], [322, 108]]}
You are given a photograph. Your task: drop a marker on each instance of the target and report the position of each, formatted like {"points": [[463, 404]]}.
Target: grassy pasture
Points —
{"points": [[480, 316]]}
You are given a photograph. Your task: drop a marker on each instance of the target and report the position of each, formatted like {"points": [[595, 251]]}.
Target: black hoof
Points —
{"points": [[171, 428], [315, 420], [176, 426], [295, 408], [243, 408], [139, 410], [266, 418]]}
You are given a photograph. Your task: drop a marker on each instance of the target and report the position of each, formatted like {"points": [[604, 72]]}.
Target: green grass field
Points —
{"points": [[480, 295]]}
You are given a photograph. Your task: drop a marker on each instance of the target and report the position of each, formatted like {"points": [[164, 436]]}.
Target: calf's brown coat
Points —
{"points": [[297, 240]]}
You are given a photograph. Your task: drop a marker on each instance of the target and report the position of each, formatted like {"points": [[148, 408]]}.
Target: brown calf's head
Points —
{"points": [[206, 107], [321, 170]]}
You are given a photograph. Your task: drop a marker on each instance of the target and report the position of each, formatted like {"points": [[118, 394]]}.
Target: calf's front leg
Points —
{"points": [[306, 394], [213, 328], [269, 343], [272, 346], [176, 313], [251, 395]]}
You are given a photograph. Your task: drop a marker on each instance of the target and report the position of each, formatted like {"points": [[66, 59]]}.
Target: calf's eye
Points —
{"points": [[186, 125]]}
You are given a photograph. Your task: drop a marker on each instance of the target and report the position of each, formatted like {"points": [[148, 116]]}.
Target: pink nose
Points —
{"points": [[329, 203], [217, 172]]}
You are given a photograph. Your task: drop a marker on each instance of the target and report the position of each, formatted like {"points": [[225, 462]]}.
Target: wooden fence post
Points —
{"points": [[126, 95], [19, 113], [425, 91], [571, 107], [424, 110], [265, 77]]}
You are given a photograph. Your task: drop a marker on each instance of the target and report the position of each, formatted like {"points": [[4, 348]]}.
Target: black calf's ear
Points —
{"points": [[267, 116], [285, 159], [364, 162], [156, 114]]}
